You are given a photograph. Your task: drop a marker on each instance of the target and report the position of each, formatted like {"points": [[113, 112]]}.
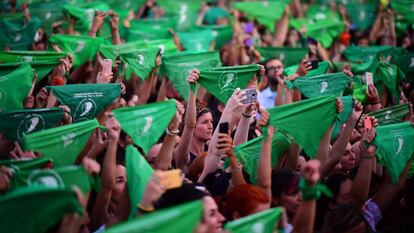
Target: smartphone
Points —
{"points": [[251, 95], [224, 127], [314, 64], [170, 179], [369, 79], [107, 66], [367, 123]]}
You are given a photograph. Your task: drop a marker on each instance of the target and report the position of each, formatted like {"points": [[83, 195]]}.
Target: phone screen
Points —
{"points": [[224, 127]]}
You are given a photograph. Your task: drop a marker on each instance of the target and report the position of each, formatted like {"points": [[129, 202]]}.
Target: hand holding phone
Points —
{"points": [[314, 64], [369, 79], [107, 66], [224, 127], [250, 95]]}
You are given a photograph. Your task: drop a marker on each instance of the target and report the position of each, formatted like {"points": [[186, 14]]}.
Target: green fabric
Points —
{"points": [[248, 153], [263, 222], [146, 123], [222, 34], [138, 173], [265, 12], [313, 192], [365, 54], [322, 68], [180, 7], [142, 61], [14, 87], [177, 66], [323, 30], [362, 15], [391, 77], [27, 164], [14, 124], [62, 144], [17, 35], [84, 14], [149, 29], [48, 13], [306, 121], [360, 89], [213, 14], [62, 177], [111, 51], [41, 61], [86, 101], [222, 81], [325, 84], [82, 48], [391, 115], [36, 209], [394, 147], [288, 56], [343, 116], [182, 218], [404, 8], [406, 63], [197, 40]]}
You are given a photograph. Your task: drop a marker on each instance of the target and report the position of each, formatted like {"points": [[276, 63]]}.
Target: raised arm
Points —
{"points": [[146, 88], [281, 29], [181, 152], [264, 166], [113, 23], [225, 146], [164, 158], [242, 130]]}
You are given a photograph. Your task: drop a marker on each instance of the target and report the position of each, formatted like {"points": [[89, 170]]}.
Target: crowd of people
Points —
{"points": [[206, 116]]}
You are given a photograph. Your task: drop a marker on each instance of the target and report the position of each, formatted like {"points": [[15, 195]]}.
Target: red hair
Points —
{"points": [[244, 199]]}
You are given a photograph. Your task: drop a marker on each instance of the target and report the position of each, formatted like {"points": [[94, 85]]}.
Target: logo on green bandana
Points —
{"points": [[68, 139], [79, 46], [148, 123], [388, 116], [258, 227], [86, 109], [412, 62], [282, 57], [48, 178], [398, 144], [17, 37], [140, 58], [3, 98], [361, 15], [32, 123], [391, 71], [227, 82], [324, 87], [26, 58], [48, 15]]}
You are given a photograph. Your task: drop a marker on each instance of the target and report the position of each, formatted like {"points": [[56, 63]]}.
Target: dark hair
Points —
{"points": [[334, 182], [201, 111], [342, 218], [284, 181], [183, 194]]}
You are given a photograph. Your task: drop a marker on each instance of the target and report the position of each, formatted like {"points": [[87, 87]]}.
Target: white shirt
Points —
{"points": [[266, 98]]}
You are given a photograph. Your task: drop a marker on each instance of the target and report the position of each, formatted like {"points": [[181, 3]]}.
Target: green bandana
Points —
{"points": [[395, 147], [322, 68], [288, 56], [343, 116], [48, 13], [306, 121], [138, 172], [248, 153], [146, 123], [222, 34], [222, 81], [325, 84], [406, 63], [265, 12], [82, 48], [15, 124], [26, 164], [149, 29], [213, 14], [14, 87], [365, 54], [180, 7], [391, 115], [62, 177], [84, 14], [16, 35], [177, 66], [86, 101], [182, 218], [391, 76], [323, 30], [41, 61], [404, 8], [142, 61], [196, 40], [264, 222], [111, 51], [36, 209], [362, 15], [62, 144]]}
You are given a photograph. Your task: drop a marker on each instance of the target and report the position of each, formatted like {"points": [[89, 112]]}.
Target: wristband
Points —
{"points": [[246, 116], [313, 192], [172, 132]]}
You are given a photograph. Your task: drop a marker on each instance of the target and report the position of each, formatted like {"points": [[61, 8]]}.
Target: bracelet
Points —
{"points": [[143, 209], [313, 192], [246, 116], [172, 132]]}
